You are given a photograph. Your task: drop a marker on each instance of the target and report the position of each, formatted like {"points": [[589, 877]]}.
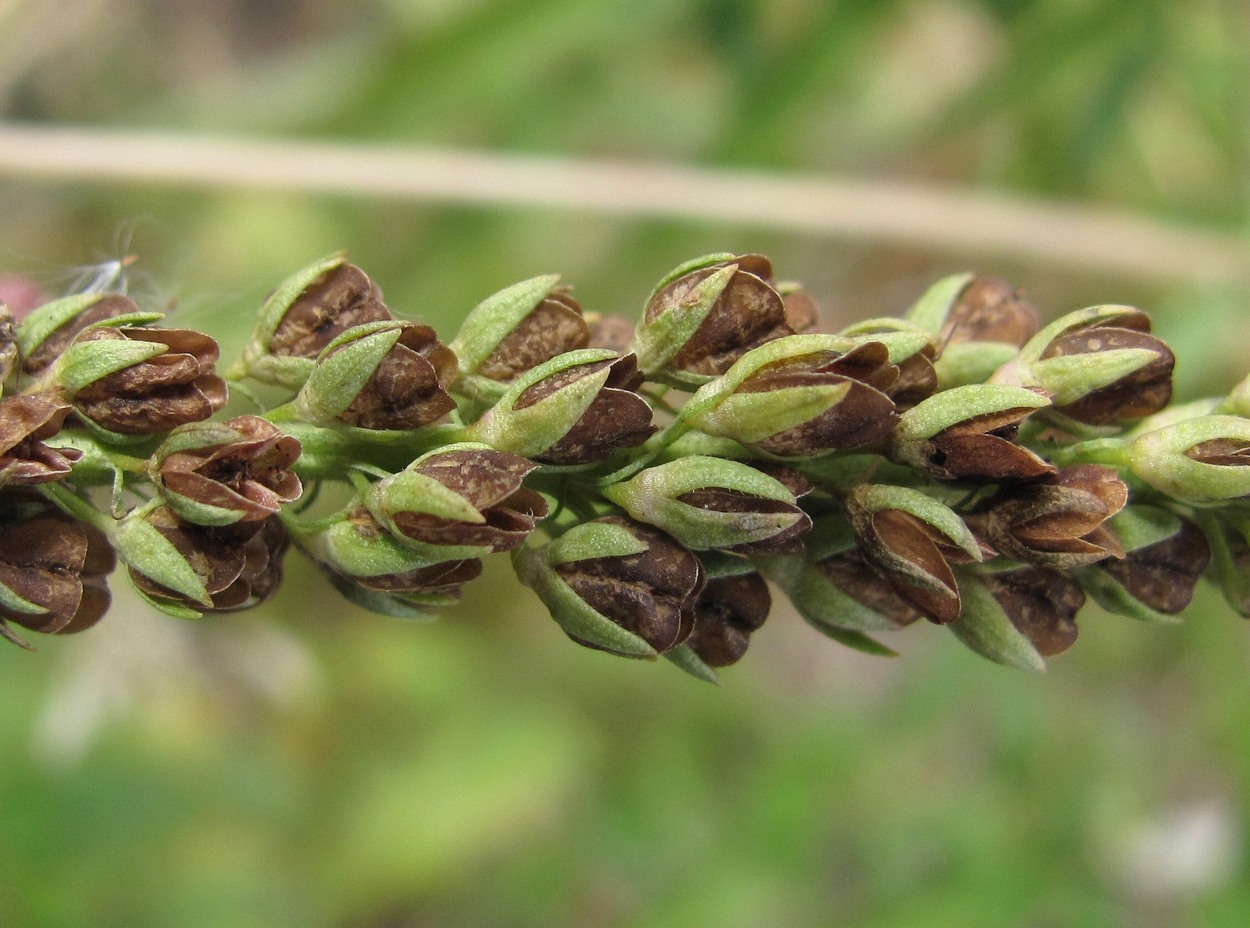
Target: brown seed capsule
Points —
{"points": [[913, 556], [983, 448], [1163, 575], [863, 417], [747, 312], [554, 326], [408, 388], [51, 347], [343, 297], [617, 417], [989, 310], [445, 580], [1041, 603], [726, 613], [54, 562], [161, 393], [613, 332], [1141, 393], [851, 573], [1057, 522], [651, 594], [243, 466], [491, 482], [26, 421], [750, 511], [240, 565]]}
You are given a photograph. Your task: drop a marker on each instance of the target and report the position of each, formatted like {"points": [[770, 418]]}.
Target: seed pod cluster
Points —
{"points": [[654, 482]]}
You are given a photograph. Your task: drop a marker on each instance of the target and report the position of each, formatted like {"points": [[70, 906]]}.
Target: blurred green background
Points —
{"points": [[308, 764]]}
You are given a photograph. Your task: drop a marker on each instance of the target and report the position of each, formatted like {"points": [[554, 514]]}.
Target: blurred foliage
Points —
{"points": [[313, 765]]}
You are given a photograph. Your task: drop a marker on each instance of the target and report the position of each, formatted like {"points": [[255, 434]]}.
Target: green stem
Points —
{"points": [[74, 505], [1111, 451]]}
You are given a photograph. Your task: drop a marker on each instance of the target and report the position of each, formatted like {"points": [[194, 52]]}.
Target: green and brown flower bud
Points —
{"points": [[218, 473], [980, 323], [1056, 522], [50, 329], [27, 421], [181, 567], [912, 539], [801, 396], [577, 408], [1203, 461], [466, 498], [706, 314], [711, 503], [304, 314], [140, 380], [411, 593], [380, 375], [616, 585], [968, 434], [519, 328], [52, 568], [726, 613], [1100, 366], [1165, 555]]}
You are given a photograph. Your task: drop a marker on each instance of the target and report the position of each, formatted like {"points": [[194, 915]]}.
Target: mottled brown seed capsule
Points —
{"points": [[983, 448], [54, 563], [1041, 603], [343, 297], [1143, 392], [491, 482], [617, 417], [1057, 522], [989, 309], [554, 326], [26, 422], [51, 347], [851, 573], [8, 344], [161, 393], [444, 580], [651, 594], [613, 332], [240, 565], [747, 312], [242, 467], [1163, 575], [726, 613], [408, 388], [913, 556]]}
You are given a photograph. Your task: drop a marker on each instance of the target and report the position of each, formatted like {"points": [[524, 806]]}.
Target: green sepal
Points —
{"points": [[855, 640], [1079, 319], [1227, 575], [491, 320], [971, 362], [572, 613], [344, 368], [411, 491], [694, 264], [12, 602], [1139, 526], [43, 320], [984, 627], [340, 546], [901, 338], [682, 656], [592, 540], [1068, 378], [931, 310], [147, 551], [177, 610], [939, 412], [530, 431], [194, 511]]}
